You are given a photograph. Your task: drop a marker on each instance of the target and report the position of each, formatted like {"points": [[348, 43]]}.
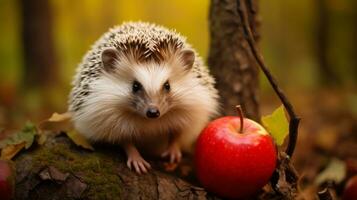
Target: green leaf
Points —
{"points": [[277, 125], [26, 135]]}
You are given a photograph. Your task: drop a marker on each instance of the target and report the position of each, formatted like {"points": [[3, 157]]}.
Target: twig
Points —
{"points": [[294, 119], [251, 6]]}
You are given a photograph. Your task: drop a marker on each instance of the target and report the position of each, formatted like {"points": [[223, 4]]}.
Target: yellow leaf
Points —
{"points": [[79, 139], [60, 117], [57, 122], [10, 151], [41, 139], [277, 125]]}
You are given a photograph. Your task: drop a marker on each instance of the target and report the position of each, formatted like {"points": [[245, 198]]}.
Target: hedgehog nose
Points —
{"points": [[153, 113]]}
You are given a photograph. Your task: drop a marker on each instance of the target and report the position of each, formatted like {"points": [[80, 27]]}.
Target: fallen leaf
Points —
{"points": [[10, 151], [57, 122], [335, 171], [52, 173], [62, 122], [17, 141], [79, 139], [277, 125], [72, 185], [41, 139], [27, 135]]}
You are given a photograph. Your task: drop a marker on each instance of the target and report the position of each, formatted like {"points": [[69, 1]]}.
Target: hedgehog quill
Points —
{"points": [[144, 87]]}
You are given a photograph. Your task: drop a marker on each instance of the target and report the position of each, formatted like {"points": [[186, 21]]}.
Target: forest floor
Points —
{"points": [[326, 152]]}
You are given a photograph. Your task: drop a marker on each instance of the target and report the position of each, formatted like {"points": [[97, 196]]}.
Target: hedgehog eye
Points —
{"points": [[136, 86], [167, 86]]}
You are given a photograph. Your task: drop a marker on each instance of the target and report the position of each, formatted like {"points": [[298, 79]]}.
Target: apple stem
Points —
{"points": [[241, 115]]}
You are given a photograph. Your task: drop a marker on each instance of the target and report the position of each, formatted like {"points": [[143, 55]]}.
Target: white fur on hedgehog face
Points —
{"points": [[136, 89], [150, 90]]}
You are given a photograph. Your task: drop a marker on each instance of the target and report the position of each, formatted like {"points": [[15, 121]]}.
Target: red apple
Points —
{"points": [[233, 162], [350, 191], [6, 180]]}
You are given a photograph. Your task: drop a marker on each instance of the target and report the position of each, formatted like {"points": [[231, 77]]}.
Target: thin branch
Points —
{"points": [[294, 119], [250, 17], [251, 7]]}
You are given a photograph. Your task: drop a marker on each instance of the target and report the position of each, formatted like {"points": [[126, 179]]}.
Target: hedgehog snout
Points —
{"points": [[152, 112]]}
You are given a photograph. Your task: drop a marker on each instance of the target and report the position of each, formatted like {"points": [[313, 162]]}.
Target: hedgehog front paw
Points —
{"points": [[173, 152], [135, 160], [138, 163]]}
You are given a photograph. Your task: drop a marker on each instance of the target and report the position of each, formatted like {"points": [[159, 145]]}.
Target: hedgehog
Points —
{"points": [[143, 87]]}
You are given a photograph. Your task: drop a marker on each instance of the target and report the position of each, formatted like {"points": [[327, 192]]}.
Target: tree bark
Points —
{"points": [[230, 58], [353, 68], [327, 75], [40, 66]]}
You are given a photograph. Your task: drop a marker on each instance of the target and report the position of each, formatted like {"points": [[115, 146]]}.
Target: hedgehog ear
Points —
{"points": [[188, 58], [109, 58]]}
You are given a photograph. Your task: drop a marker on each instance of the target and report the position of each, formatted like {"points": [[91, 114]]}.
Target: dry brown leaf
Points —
{"points": [[52, 173], [10, 151], [57, 122], [79, 139], [15, 142]]}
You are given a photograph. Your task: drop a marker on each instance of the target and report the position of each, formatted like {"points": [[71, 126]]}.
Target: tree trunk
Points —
{"points": [[38, 48], [230, 58], [327, 75], [353, 54]]}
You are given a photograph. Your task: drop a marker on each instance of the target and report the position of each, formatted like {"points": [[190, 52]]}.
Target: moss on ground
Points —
{"points": [[97, 169]]}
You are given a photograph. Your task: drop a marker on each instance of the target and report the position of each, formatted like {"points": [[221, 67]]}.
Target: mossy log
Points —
{"points": [[59, 169]]}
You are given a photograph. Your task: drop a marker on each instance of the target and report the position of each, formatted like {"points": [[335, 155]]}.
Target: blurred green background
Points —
{"points": [[297, 38]]}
